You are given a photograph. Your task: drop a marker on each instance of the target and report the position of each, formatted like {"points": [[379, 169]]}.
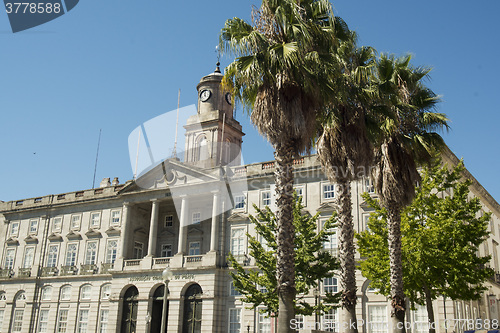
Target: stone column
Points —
{"points": [[125, 234], [213, 234], [183, 226], [153, 228]]}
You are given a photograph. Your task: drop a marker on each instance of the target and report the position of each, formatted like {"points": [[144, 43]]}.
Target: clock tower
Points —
{"points": [[213, 136]]}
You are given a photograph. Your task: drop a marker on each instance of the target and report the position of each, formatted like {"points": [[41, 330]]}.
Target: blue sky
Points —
{"points": [[113, 65]]}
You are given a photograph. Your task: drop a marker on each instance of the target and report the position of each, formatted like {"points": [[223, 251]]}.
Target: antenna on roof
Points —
{"points": [[174, 153], [137, 153], [97, 156]]}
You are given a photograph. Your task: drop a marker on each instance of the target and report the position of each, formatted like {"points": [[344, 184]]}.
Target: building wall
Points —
{"points": [[207, 268]]}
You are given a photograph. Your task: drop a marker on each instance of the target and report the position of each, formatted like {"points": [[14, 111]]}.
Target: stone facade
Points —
{"points": [[92, 260]]}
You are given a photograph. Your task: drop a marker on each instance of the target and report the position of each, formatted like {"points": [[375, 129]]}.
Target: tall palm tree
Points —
{"points": [[280, 78], [346, 153], [407, 137]]}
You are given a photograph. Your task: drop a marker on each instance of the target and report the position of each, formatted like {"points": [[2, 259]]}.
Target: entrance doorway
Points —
{"points": [[192, 310], [129, 316], [157, 310]]}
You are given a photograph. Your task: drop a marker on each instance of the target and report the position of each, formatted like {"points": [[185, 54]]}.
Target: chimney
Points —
{"points": [[115, 181], [105, 182]]}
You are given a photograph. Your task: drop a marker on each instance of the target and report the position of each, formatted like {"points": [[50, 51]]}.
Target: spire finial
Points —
{"points": [[217, 69]]}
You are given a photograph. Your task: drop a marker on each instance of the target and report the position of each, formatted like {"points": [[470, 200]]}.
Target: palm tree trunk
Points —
{"points": [[396, 269], [346, 254], [430, 310], [285, 261]]}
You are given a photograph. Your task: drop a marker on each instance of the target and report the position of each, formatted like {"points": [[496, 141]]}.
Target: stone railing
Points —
{"points": [[6, 273], [194, 258], [161, 261], [24, 272], [49, 271], [88, 269], [132, 262], [69, 270], [106, 267]]}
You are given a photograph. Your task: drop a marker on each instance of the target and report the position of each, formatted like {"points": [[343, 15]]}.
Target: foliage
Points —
{"points": [[441, 233], [311, 265]]}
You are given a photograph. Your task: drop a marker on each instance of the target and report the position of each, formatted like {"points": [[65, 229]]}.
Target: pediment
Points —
{"points": [[112, 231], [31, 239], [326, 207], [167, 233], [140, 231], [364, 205], [73, 235], [92, 233], [170, 173], [237, 217], [54, 237], [12, 241], [193, 231]]}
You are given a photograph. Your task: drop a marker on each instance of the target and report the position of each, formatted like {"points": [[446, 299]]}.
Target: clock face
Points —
{"points": [[205, 95], [228, 98]]}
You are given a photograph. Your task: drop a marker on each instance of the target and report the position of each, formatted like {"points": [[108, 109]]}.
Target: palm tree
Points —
{"points": [[346, 153], [280, 78], [407, 137]]}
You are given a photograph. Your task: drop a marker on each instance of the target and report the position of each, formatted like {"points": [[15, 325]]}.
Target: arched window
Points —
{"points": [[129, 315], [46, 293], [105, 291], [192, 310], [65, 294], [201, 150], [85, 291]]}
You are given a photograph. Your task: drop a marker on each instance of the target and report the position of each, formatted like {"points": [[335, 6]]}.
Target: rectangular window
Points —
{"points": [[330, 285], [420, 322], [52, 256], [10, 255], [29, 255], [196, 217], [115, 217], [369, 187], [266, 198], [103, 321], [62, 321], [377, 317], [17, 323], [14, 229], [75, 222], [138, 250], [95, 220], [239, 202], [71, 253], [33, 227], [233, 291], [330, 244], [91, 253], [329, 321], [166, 250], [234, 320], [83, 319], [1, 318], [299, 190], [169, 221], [57, 224], [194, 248], [328, 191], [111, 250], [237, 241], [43, 321], [263, 324]]}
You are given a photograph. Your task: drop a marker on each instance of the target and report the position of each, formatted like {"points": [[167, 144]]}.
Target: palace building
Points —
{"points": [[92, 260]]}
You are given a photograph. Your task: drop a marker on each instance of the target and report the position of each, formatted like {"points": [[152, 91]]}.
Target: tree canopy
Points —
{"points": [[258, 285]]}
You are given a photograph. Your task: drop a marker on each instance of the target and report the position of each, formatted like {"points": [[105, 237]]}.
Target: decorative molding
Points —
{"points": [[31, 239], [73, 235], [112, 231], [55, 237], [12, 241], [92, 233]]}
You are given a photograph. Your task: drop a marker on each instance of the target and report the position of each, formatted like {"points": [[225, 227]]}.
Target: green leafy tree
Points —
{"points": [[441, 234], [312, 264]]}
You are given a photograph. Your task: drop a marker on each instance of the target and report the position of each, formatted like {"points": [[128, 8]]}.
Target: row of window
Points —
{"points": [[71, 254], [61, 320], [329, 285], [327, 193], [75, 223]]}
